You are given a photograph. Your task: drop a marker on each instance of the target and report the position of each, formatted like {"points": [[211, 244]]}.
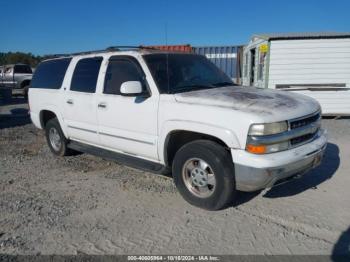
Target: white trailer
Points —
{"points": [[313, 64]]}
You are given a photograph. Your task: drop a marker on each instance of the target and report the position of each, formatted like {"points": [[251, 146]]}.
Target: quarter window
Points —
{"points": [[118, 72], [50, 74], [85, 75]]}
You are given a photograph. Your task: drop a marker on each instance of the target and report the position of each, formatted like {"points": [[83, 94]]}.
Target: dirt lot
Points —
{"points": [[84, 204]]}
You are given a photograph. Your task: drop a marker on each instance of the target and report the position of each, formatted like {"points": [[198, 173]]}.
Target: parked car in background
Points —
{"points": [[16, 77], [171, 111]]}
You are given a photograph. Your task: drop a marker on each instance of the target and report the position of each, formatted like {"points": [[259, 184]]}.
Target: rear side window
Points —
{"points": [[118, 72], [50, 74], [85, 75], [22, 69]]}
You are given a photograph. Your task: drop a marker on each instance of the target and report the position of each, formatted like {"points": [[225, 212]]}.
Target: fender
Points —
{"points": [[224, 134], [56, 111]]}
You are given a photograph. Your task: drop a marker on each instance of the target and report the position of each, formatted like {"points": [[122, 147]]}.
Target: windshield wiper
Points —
{"points": [[220, 84], [188, 88]]}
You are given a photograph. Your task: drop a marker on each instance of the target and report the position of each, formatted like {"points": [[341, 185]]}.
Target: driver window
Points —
{"points": [[118, 72]]}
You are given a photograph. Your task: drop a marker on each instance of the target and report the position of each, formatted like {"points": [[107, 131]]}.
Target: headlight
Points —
{"points": [[268, 129]]}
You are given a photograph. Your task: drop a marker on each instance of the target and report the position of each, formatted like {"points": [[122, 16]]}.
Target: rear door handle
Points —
{"points": [[102, 105], [70, 101]]}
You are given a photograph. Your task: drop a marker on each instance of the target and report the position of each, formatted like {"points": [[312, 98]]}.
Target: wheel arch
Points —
{"points": [[25, 82], [48, 113], [190, 131]]}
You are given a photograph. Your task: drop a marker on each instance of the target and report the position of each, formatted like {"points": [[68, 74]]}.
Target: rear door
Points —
{"points": [[80, 101], [127, 123]]}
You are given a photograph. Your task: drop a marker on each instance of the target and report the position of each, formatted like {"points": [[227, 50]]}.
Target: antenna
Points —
{"points": [[167, 55], [166, 33]]}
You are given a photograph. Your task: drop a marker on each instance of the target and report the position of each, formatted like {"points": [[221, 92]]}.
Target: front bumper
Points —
{"points": [[254, 172]]}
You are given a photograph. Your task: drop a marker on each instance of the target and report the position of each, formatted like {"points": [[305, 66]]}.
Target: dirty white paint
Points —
{"points": [[301, 63], [252, 100]]}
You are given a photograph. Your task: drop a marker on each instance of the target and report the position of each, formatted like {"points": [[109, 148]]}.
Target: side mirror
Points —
{"points": [[131, 88]]}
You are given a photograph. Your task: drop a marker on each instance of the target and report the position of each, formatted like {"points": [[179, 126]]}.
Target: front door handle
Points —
{"points": [[70, 101], [102, 105]]}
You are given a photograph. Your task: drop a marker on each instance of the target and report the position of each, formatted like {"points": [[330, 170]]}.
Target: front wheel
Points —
{"points": [[203, 173]]}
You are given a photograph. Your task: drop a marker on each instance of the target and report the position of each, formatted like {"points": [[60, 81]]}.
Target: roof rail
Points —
{"points": [[108, 49], [78, 53], [118, 47]]}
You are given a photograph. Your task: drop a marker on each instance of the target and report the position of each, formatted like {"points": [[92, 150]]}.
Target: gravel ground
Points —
{"points": [[86, 205]]}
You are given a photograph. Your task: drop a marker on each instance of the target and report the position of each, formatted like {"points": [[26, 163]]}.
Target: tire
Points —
{"points": [[54, 134], [25, 91], [206, 157]]}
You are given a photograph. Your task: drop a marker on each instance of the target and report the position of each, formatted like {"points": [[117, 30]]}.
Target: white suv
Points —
{"points": [[177, 112]]}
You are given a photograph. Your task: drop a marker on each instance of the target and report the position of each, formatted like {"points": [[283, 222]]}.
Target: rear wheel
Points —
{"points": [[56, 139], [204, 174]]}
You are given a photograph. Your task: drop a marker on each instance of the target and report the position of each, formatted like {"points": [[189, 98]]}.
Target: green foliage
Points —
{"points": [[19, 57]]}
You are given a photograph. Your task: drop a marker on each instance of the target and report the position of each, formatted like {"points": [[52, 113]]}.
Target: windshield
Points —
{"points": [[175, 73]]}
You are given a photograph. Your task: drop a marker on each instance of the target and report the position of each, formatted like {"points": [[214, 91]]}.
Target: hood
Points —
{"points": [[270, 104]]}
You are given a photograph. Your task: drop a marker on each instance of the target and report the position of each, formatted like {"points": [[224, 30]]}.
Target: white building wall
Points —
{"points": [[321, 61], [332, 102], [305, 62]]}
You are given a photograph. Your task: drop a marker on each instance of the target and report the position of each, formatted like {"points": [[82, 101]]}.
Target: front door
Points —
{"points": [[80, 102], [127, 124]]}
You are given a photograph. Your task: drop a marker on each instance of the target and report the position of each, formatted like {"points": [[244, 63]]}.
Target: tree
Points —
{"points": [[19, 57]]}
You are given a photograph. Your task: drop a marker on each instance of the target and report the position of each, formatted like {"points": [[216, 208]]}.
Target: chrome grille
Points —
{"points": [[300, 123], [301, 139], [304, 121]]}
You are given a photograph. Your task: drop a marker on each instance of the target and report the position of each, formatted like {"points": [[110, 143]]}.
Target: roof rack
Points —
{"points": [[108, 49], [119, 47]]}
